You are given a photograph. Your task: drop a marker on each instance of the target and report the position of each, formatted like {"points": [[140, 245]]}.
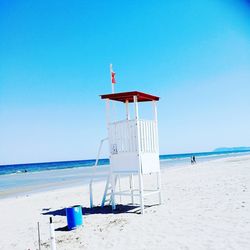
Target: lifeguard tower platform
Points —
{"points": [[133, 148]]}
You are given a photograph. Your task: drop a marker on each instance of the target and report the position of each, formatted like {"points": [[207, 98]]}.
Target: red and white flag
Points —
{"points": [[113, 77]]}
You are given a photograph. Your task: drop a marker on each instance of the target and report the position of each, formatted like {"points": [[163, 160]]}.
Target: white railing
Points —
{"points": [[123, 136], [148, 136], [94, 168]]}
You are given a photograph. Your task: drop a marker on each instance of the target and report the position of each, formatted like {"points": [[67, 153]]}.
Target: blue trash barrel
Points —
{"points": [[74, 217]]}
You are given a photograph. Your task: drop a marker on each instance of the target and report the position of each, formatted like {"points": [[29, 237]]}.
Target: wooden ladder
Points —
{"points": [[108, 191]]}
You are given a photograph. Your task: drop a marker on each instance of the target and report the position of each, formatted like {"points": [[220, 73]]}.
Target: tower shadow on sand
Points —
{"points": [[96, 210], [86, 211]]}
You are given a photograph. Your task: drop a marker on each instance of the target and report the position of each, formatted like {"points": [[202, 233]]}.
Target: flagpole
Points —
{"points": [[112, 84]]}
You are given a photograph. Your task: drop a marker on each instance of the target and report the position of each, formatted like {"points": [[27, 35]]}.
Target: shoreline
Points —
{"points": [[163, 158], [47, 180]]}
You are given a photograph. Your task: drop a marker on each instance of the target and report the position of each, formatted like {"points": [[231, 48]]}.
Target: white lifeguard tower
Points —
{"points": [[133, 148]]}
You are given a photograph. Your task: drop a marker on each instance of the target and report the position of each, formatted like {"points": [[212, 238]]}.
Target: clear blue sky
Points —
{"points": [[54, 62]]}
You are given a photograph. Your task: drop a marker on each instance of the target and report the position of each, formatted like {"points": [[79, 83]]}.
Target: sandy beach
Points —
{"points": [[205, 206]]}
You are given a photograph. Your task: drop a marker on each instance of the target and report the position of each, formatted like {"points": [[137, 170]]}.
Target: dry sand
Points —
{"points": [[206, 206]]}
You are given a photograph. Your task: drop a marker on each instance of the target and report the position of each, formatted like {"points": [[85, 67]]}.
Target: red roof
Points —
{"points": [[129, 96]]}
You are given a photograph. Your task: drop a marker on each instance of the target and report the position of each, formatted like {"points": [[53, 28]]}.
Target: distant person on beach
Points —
{"points": [[194, 160]]}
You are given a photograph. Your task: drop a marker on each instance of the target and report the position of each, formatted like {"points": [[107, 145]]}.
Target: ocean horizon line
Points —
{"points": [[161, 156]]}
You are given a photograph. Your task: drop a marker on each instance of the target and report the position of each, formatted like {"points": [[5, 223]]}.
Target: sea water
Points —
{"points": [[27, 178]]}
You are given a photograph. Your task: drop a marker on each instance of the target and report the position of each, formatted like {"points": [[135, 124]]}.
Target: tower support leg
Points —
{"points": [[131, 184], [141, 192], [159, 186], [91, 194], [113, 192]]}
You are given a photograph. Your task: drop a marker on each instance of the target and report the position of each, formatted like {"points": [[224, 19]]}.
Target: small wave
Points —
{"points": [[21, 171]]}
